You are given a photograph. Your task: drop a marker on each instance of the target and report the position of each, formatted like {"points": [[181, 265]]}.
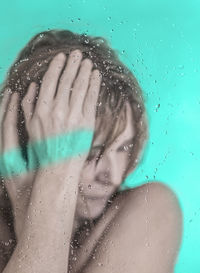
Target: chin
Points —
{"points": [[94, 213], [90, 208]]}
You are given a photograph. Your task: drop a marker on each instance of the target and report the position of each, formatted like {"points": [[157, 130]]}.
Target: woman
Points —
{"points": [[69, 215]]}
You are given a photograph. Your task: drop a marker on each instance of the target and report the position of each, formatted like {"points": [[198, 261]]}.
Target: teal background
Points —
{"points": [[159, 41]]}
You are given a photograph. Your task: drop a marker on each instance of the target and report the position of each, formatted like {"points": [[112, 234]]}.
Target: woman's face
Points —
{"points": [[99, 182]]}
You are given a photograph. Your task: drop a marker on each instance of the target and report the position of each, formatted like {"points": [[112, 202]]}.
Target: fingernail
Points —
{"points": [[76, 53], [60, 56], [34, 85]]}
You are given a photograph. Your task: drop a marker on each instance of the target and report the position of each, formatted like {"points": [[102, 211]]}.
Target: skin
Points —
{"points": [[86, 207], [99, 182], [55, 197]]}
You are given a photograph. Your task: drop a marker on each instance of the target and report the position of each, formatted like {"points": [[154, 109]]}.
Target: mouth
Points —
{"points": [[95, 197], [85, 197], [100, 193]]}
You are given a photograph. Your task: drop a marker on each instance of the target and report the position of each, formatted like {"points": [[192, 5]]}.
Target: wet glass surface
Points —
{"points": [[158, 42]]}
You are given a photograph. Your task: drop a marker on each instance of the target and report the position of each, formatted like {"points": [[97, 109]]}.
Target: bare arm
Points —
{"points": [[44, 243]]}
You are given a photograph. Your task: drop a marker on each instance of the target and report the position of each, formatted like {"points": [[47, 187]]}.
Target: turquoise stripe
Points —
{"points": [[45, 152]]}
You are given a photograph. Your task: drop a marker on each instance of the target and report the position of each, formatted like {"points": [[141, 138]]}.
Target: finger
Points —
{"points": [[81, 86], [49, 83], [89, 107], [28, 102], [3, 106], [68, 77], [9, 133], [4, 102]]}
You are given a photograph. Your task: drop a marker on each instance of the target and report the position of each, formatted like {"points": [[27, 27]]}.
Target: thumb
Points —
{"points": [[12, 161], [9, 133]]}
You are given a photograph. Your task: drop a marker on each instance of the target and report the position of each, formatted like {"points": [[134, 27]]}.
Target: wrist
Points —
{"points": [[57, 183]]}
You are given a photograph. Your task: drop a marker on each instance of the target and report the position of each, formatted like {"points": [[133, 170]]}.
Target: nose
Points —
{"points": [[103, 178]]}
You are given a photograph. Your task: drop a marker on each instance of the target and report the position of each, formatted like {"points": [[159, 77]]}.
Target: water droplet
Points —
{"points": [[81, 188], [181, 66], [117, 207], [157, 107], [89, 186], [126, 148], [147, 244]]}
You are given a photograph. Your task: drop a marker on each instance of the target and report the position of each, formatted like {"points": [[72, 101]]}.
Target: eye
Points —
{"points": [[125, 148]]}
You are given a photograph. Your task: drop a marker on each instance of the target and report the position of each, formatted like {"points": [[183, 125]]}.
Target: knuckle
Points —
{"points": [[74, 118], [23, 102], [79, 84], [57, 114], [32, 127], [38, 115]]}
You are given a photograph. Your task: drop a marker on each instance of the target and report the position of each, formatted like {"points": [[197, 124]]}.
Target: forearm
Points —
{"points": [[45, 240], [20, 207]]}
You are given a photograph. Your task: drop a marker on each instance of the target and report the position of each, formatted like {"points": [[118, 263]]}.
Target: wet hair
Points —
{"points": [[118, 86]]}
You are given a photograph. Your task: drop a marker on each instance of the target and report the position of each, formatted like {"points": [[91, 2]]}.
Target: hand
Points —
{"points": [[11, 160], [19, 187], [58, 113]]}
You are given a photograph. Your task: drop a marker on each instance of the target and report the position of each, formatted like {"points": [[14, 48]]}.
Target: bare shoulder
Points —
{"points": [[156, 196], [156, 190], [153, 205]]}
